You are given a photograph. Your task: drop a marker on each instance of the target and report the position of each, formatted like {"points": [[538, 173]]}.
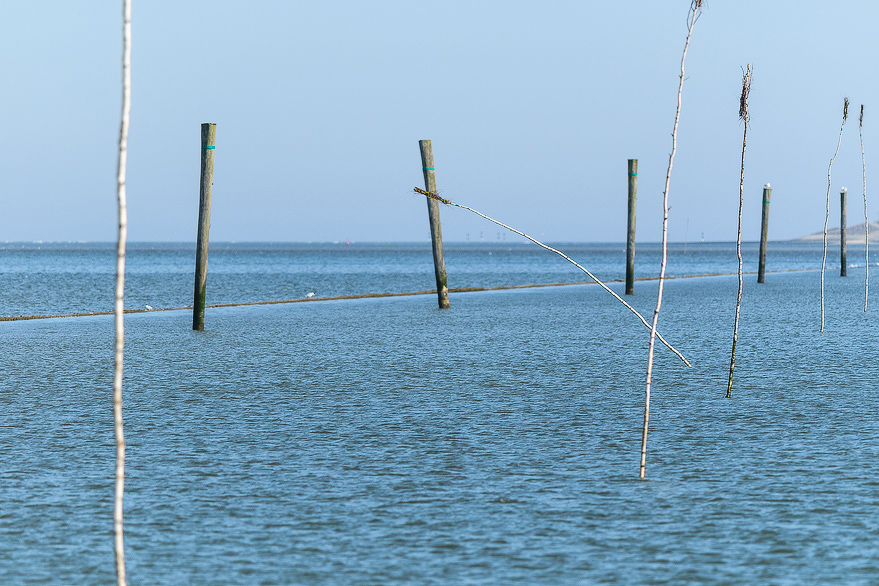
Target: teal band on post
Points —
{"points": [[208, 147], [633, 174], [765, 201], [428, 168]]}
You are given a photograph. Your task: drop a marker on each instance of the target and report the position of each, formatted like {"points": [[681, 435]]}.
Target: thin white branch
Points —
{"points": [[693, 16], [743, 114], [827, 206], [119, 307]]}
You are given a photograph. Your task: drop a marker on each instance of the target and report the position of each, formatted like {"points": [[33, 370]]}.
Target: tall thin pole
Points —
{"points": [[842, 234], [436, 232], [686, 235], [764, 233], [866, 219], [630, 231], [119, 306], [692, 17], [208, 136]]}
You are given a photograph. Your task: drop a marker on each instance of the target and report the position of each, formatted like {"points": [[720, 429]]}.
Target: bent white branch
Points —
{"points": [[558, 252]]}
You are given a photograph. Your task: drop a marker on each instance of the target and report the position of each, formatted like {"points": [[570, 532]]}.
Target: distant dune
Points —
{"points": [[854, 235]]}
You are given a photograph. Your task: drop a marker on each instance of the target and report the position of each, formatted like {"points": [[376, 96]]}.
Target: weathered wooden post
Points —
{"points": [[842, 213], [208, 135], [436, 233], [630, 238], [764, 230]]}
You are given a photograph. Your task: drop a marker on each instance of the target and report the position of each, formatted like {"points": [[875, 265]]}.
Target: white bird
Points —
{"points": [[149, 308], [307, 295]]}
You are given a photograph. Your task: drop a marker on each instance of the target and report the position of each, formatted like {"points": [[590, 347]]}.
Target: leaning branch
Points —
{"points": [[434, 195]]}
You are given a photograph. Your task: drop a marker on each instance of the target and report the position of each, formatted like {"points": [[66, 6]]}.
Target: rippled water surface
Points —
{"points": [[382, 441], [62, 278]]}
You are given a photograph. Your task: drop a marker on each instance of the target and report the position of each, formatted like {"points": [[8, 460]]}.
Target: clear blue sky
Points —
{"points": [[533, 109]]}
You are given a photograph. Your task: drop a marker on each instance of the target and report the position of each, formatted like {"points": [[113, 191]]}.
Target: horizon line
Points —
{"points": [[800, 240]]}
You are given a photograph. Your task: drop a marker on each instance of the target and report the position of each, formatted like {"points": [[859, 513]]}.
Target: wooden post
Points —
{"points": [[436, 233], [208, 135], [630, 238], [842, 213], [764, 229]]}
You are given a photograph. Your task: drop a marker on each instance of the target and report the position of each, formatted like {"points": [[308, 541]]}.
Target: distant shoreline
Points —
{"points": [[854, 235]]}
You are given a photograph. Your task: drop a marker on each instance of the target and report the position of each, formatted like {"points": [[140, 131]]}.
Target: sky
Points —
{"points": [[533, 109]]}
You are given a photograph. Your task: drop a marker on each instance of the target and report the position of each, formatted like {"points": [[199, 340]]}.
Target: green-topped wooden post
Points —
{"points": [[208, 135], [436, 233], [842, 235], [630, 233], [764, 230]]}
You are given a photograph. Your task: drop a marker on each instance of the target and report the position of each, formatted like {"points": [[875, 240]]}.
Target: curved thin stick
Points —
{"points": [[743, 115], [827, 207], [120, 294], [692, 17], [435, 196], [866, 219]]}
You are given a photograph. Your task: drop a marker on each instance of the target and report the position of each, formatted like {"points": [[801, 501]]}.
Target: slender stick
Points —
{"points": [[743, 116], [827, 207], [692, 17], [120, 293], [866, 219], [435, 196]]}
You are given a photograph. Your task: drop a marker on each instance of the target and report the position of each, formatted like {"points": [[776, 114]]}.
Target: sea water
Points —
{"points": [[63, 278], [378, 441]]}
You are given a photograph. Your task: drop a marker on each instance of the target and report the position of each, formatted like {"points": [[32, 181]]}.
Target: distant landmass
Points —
{"points": [[854, 234]]}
